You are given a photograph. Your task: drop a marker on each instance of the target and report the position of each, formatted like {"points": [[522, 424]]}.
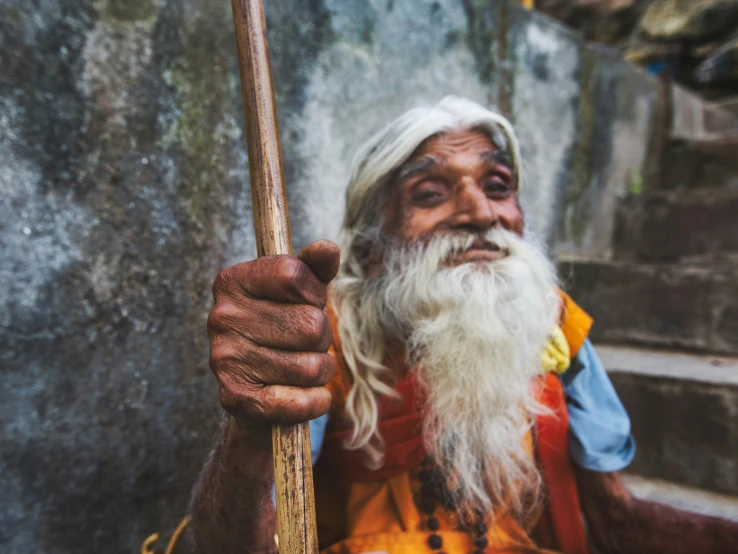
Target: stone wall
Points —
{"points": [[124, 191]]}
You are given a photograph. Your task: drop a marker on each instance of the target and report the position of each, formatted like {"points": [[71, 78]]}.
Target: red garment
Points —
{"points": [[561, 526]]}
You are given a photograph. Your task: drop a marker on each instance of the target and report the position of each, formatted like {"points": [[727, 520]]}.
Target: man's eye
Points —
{"points": [[428, 195], [496, 186]]}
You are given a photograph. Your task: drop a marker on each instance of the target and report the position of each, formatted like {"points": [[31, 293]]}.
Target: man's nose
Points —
{"points": [[473, 208]]}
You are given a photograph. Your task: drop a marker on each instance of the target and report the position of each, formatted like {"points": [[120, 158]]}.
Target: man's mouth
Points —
{"points": [[480, 251]]}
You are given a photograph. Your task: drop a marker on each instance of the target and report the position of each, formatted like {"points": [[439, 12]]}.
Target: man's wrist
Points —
{"points": [[246, 449]]}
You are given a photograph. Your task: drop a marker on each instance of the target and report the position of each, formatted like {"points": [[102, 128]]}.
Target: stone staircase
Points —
{"points": [[666, 319]]}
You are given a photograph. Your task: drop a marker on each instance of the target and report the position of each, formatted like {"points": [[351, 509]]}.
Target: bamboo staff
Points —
{"points": [[293, 472]]}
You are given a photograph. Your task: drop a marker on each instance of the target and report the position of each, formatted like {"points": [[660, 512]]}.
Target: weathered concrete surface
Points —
{"points": [[692, 307], [622, 121], [690, 226], [702, 163], [122, 172], [689, 499], [683, 411]]}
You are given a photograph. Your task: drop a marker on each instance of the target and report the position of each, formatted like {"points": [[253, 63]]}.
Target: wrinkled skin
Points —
{"points": [[268, 342], [269, 337]]}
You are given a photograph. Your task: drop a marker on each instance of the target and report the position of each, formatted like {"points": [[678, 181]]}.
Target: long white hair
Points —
{"points": [[362, 239]]}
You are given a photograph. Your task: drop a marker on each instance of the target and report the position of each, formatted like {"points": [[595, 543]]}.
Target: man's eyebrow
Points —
{"points": [[499, 157], [424, 164]]}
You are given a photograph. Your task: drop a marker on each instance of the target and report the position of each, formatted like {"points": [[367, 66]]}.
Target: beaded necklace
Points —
{"points": [[433, 491]]}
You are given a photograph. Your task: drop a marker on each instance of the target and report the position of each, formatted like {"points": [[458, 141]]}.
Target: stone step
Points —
{"points": [[701, 163], [695, 117], [688, 499], [729, 105], [688, 225], [684, 414], [692, 307]]}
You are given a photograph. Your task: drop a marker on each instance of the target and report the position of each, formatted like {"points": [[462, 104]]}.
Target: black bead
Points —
{"points": [[428, 505], [435, 541], [433, 523], [427, 489], [482, 528], [480, 542], [425, 476]]}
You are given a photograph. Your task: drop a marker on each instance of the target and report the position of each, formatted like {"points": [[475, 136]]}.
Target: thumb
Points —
{"points": [[323, 257]]}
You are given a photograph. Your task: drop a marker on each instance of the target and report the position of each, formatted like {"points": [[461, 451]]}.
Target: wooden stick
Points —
{"points": [[293, 472]]}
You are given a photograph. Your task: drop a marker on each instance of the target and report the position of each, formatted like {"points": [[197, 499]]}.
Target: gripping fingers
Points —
{"points": [[278, 278], [297, 369], [296, 405], [274, 325], [277, 403], [247, 363]]}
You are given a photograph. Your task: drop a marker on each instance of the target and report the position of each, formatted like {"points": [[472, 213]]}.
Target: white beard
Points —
{"points": [[475, 333]]}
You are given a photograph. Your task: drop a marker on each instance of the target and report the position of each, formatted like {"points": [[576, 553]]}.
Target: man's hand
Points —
{"points": [[268, 343], [269, 337]]}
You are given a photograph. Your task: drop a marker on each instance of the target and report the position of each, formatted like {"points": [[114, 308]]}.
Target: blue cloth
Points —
{"points": [[599, 426], [317, 432]]}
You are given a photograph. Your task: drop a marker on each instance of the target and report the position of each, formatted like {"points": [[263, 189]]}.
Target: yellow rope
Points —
{"points": [[151, 539], [147, 546], [176, 534]]}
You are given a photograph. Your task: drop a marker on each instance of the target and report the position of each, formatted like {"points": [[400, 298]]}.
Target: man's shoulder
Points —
{"points": [[574, 322]]}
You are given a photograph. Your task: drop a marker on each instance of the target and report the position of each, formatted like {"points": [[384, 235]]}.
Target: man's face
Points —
{"points": [[456, 181]]}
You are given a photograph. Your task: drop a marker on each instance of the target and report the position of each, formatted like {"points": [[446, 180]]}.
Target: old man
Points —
{"points": [[457, 405]]}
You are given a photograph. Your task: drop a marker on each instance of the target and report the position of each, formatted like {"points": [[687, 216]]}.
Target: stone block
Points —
{"points": [[693, 118], [682, 497], [689, 225], [701, 163], [683, 413], [669, 306]]}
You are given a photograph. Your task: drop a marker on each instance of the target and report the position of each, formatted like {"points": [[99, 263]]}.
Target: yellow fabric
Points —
{"points": [[383, 516], [556, 355], [575, 323]]}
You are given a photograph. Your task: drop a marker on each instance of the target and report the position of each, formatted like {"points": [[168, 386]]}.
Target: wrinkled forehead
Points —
{"points": [[475, 142], [378, 162]]}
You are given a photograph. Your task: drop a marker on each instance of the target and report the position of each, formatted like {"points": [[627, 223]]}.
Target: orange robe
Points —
{"points": [[363, 511]]}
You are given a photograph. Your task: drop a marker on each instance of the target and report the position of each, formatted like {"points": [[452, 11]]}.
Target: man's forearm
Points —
{"points": [[622, 524], [232, 509]]}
